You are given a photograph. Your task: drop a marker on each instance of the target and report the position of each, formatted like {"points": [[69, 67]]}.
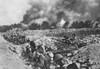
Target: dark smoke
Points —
{"points": [[69, 10]]}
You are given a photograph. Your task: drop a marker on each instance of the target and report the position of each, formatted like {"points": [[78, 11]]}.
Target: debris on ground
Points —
{"points": [[50, 52]]}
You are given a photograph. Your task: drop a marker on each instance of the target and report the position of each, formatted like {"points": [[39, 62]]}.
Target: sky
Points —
{"points": [[13, 11]]}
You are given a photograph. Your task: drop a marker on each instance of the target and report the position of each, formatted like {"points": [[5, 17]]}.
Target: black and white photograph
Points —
{"points": [[49, 34]]}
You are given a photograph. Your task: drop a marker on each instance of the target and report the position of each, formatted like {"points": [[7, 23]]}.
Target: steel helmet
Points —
{"points": [[58, 56]]}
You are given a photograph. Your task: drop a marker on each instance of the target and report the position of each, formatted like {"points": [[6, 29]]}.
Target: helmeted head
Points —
{"points": [[51, 54], [73, 34], [28, 40], [40, 49], [57, 57], [66, 37]]}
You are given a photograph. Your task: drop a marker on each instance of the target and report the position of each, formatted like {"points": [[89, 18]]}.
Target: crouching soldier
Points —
{"points": [[27, 48], [41, 61], [39, 58], [58, 60], [70, 64], [73, 37], [66, 40], [32, 45], [51, 55]]}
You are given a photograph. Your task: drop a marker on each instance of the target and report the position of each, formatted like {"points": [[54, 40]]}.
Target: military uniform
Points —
{"points": [[58, 59], [32, 45], [66, 40]]}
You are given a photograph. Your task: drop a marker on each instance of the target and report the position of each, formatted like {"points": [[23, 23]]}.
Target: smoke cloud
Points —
{"points": [[69, 10], [53, 11]]}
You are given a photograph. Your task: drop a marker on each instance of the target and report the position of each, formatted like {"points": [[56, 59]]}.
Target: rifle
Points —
{"points": [[59, 39], [63, 51]]}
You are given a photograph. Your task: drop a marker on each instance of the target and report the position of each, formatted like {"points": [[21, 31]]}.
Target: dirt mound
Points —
{"points": [[8, 59]]}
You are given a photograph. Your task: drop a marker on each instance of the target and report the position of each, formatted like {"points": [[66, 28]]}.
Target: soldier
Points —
{"points": [[40, 49], [71, 64], [51, 55], [33, 46], [58, 59], [73, 37], [83, 64], [27, 48], [49, 59], [66, 40], [41, 61], [27, 51]]}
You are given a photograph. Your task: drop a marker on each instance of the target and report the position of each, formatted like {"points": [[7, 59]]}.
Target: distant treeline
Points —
{"points": [[9, 27], [46, 25]]}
